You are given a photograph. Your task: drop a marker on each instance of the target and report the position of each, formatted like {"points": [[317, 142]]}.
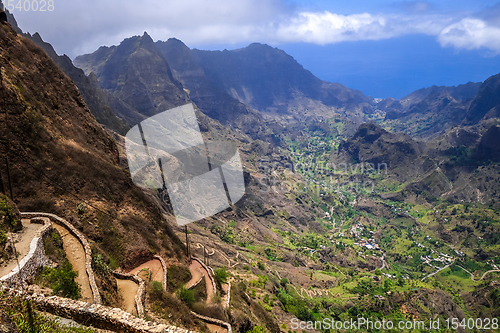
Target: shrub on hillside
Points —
{"points": [[62, 280], [186, 295], [221, 275]]}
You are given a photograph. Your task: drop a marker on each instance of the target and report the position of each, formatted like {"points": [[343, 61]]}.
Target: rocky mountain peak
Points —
{"points": [[369, 132], [136, 73], [486, 103]]}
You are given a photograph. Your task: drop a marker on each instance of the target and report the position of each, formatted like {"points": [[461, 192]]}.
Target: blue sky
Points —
{"points": [[383, 48]]}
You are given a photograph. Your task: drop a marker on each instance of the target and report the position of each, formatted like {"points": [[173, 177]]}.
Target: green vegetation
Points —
{"points": [[177, 275], [186, 295], [221, 275], [61, 280], [53, 247], [8, 214], [297, 306], [169, 306], [257, 329], [260, 282]]}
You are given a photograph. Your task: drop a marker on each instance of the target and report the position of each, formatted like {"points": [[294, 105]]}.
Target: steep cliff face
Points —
{"points": [[137, 74], [60, 158], [212, 100], [96, 99], [429, 112], [487, 102]]}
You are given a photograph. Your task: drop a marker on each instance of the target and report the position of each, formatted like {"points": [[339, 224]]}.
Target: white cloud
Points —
{"points": [[81, 26], [326, 27], [471, 33]]}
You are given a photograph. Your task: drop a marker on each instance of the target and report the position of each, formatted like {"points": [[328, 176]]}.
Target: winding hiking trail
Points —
{"points": [[155, 267], [208, 253], [77, 252], [127, 289], [23, 245], [201, 246], [76, 256], [314, 292], [197, 273]]}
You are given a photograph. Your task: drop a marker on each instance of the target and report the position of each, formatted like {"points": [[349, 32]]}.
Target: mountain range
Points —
{"points": [[305, 241]]}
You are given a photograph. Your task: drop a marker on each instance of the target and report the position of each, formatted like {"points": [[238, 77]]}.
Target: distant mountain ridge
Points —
{"points": [[461, 92], [212, 100], [429, 112], [270, 80], [487, 102], [445, 166], [230, 85]]}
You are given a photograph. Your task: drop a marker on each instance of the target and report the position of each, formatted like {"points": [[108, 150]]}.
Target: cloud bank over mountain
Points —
{"points": [[89, 24]]}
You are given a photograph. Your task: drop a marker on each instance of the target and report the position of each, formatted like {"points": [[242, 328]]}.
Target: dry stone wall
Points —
{"points": [[210, 276], [213, 321], [29, 265], [140, 297], [228, 295], [164, 266], [88, 252], [212, 280], [96, 315]]}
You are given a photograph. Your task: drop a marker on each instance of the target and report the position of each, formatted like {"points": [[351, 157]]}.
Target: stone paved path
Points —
{"points": [[76, 256], [23, 245]]}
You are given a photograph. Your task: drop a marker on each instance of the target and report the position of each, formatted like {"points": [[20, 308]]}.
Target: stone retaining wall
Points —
{"points": [[194, 284], [228, 294], [96, 315], [213, 321], [149, 271], [85, 244], [210, 276], [29, 265], [140, 297], [164, 266], [212, 280]]}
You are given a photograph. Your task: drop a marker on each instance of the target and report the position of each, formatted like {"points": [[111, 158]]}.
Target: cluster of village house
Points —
{"points": [[370, 244], [442, 257]]}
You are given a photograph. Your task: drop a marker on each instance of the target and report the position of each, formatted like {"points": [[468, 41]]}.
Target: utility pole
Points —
{"points": [[8, 178], [187, 241], [2, 188]]}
